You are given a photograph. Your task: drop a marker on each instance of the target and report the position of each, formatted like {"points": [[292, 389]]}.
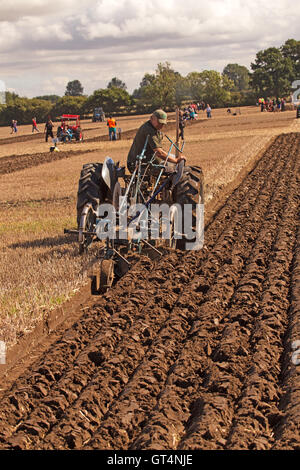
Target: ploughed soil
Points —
{"points": [[192, 351]]}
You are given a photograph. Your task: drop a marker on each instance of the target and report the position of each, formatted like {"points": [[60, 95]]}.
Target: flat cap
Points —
{"points": [[161, 116]]}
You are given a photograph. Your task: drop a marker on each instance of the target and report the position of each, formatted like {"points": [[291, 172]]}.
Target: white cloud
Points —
{"points": [[9, 35], [13, 11], [50, 86], [92, 41]]}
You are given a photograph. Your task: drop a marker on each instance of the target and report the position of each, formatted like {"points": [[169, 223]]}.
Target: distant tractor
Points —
{"points": [[72, 122], [98, 115]]}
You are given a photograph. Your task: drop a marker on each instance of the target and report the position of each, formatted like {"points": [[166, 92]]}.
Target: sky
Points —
{"points": [[44, 44]]}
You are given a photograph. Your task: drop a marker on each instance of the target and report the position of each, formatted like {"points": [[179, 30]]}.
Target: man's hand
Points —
{"points": [[181, 157], [159, 152]]}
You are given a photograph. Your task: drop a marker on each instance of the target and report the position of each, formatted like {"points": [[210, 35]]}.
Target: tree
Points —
{"points": [[239, 74], [182, 91], [210, 86], [117, 83], [74, 88], [10, 97], [217, 88], [52, 98], [161, 90], [273, 73], [110, 99], [196, 86], [147, 80], [69, 105], [24, 109], [291, 49]]}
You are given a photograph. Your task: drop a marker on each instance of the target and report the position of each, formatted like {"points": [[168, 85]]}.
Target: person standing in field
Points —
{"points": [[12, 126], [192, 113], [15, 126], [181, 125], [48, 129], [112, 129], [278, 104], [34, 125], [208, 111]]}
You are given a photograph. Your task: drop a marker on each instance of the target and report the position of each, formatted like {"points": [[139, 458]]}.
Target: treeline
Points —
{"points": [[271, 75]]}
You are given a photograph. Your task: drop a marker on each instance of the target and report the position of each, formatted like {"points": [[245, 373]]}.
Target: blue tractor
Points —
{"points": [[98, 115]]}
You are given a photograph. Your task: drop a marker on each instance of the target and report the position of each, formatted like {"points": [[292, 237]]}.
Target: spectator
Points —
{"points": [[262, 105], [34, 125], [282, 104], [59, 132], [181, 125], [12, 126], [278, 104], [186, 114], [208, 111], [68, 135], [112, 128], [48, 129], [15, 126]]}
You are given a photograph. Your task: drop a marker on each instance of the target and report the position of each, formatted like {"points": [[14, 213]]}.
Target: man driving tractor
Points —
{"points": [[151, 128]]}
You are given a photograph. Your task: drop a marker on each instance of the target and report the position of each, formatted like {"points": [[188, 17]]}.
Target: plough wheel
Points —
{"points": [[87, 222], [104, 277]]}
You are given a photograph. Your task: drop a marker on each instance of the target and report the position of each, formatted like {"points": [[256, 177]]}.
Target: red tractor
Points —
{"points": [[72, 122]]}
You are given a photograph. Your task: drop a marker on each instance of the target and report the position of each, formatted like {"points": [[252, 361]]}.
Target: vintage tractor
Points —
{"points": [[72, 122], [133, 212], [98, 115]]}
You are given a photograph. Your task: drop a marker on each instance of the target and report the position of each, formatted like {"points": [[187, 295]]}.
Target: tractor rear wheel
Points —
{"points": [[87, 224], [91, 188], [189, 191]]}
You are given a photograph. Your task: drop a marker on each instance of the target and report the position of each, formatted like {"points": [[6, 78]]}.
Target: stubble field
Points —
{"points": [[190, 352]]}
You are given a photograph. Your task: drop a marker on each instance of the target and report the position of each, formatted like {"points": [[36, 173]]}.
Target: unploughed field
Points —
{"points": [[191, 351]]}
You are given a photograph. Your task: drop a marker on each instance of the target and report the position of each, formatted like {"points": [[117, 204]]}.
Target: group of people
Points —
{"points": [[192, 110], [48, 127], [272, 105], [64, 133], [190, 113]]}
